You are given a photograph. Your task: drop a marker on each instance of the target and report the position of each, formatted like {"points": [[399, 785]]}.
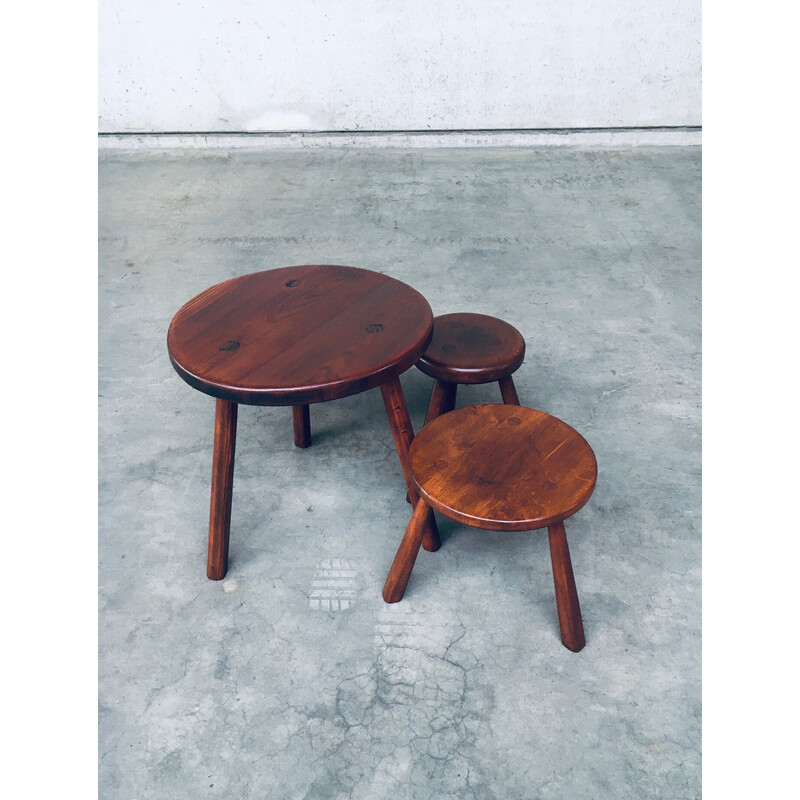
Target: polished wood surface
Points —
{"points": [[506, 468], [503, 467], [301, 417], [294, 336], [299, 335], [569, 610], [472, 348]]}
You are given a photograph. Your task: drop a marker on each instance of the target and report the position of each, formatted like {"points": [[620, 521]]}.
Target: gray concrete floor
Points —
{"points": [[265, 685]]}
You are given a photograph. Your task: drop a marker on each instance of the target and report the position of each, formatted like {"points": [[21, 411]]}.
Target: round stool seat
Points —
{"points": [[503, 467], [472, 348], [298, 335]]}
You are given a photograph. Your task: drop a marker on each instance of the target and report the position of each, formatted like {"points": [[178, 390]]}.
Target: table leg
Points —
{"points": [[403, 432], [302, 426], [569, 610], [219, 526]]}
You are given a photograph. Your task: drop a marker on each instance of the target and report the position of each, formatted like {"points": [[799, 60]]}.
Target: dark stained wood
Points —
{"points": [[443, 399], [294, 336], [406, 555], [301, 417], [569, 610], [508, 391], [506, 468], [503, 467], [472, 348], [299, 335], [219, 526], [397, 411]]}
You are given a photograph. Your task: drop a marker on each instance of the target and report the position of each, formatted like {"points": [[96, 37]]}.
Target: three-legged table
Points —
{"points": [[291, 337]]}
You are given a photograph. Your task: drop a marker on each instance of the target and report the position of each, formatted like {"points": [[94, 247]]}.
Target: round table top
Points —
{"points": [[472, 348], [503, 467], [299, 335]]}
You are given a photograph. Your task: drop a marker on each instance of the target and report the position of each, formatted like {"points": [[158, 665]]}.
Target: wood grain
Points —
{"points": [[400, 571], [301, 418], [295, 336], [569, 610], [506, 468], [472, 348], [503, 467], [299, 335], [219, 526]]}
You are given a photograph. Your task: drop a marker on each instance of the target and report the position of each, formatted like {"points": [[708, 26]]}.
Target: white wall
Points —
{"points": [[348, 65]]}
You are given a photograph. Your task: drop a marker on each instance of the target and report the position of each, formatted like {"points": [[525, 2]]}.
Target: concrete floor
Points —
{"points": [[291, 678]]}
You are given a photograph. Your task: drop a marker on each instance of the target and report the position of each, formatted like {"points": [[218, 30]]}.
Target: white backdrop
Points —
{"points": [[352, 65]]}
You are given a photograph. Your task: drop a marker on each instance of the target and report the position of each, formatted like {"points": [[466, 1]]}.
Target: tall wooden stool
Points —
{"points": [[470, 348], [294, 336], [501, 468]]}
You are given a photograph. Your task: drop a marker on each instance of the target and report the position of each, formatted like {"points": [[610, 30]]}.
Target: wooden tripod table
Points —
{"points": [[291, 337]]}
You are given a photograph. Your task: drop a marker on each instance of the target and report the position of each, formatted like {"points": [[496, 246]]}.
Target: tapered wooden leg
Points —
{"points": [[219, 527], [403, 432], [443, 399], [302, 425], [406, 555], [569, 610], [509, 391]]}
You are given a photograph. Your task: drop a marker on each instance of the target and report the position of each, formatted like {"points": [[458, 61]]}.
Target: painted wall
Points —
{"points": [[349, 65]]}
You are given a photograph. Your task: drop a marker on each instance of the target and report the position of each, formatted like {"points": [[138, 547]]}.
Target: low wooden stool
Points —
{"points": [[501, 468], [470, 348]]}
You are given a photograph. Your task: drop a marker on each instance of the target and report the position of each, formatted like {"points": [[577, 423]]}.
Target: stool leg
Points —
{"points": [[449, 397], [302, 426], [406, 555], [509, 391], [219, 527], [397, 411], [569, 610], [443, 399]]}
